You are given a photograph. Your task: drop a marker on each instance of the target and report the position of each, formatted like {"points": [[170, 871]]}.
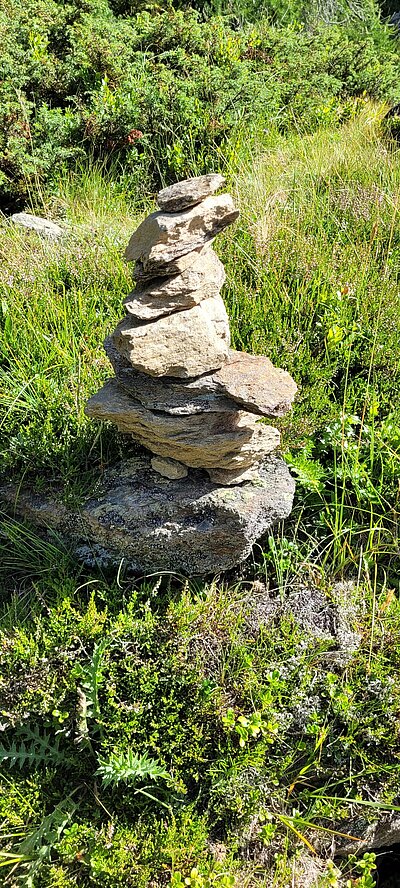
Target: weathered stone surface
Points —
{"points": [[382, 834], [162, 296], [188, 526], [188, 192], [185, 343], [267, 392], [44, 227], [230, 440], [254, 382], [227, 478], [179, 265], [162, 237], [169, 468], [164, 393]]}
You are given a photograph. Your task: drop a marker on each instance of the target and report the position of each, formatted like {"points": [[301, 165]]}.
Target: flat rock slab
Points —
{"points": [[231, 439], [188, 192], [44, 227], [188, 526], [163, 238], [254, 382], [164, 295], [251, 381], [143, 276]]}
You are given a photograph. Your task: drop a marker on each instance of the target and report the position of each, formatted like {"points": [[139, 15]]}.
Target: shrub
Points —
{"points": [[161, 91]]}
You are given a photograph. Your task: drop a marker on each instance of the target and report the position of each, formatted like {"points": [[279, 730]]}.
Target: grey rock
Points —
{"points": [[230, 440], [381, 834], [248, 380], [163, 237], [188, 192], [162, 296], [169, 468], [182, 344], [332, 617], [188, 526], [44, 227]]}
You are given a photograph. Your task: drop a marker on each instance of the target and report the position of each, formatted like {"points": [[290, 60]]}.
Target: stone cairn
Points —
{"points": [[179, 389], [213, 482]]}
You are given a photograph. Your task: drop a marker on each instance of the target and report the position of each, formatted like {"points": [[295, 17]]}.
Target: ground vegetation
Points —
{"points": [[166, 731]]}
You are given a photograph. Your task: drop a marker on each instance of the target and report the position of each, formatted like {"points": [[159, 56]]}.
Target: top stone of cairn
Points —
{"points": [[189, 192]]}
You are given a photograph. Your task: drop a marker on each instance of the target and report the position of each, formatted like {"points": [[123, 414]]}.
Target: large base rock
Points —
{"points": [[188, 526]]}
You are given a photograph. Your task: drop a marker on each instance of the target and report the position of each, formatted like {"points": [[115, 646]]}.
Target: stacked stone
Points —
{"points": [[179, 389]]}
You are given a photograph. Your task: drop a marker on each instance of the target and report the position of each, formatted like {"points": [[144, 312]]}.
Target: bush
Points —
{"points": [[157, 94]]}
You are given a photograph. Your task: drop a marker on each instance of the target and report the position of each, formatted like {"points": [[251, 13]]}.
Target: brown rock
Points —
{"points": [[188, 192], [169, 468], [183, 344], [162, 296], [230, 440], [254, 382], [228, 478], [162, 238], [249, 380], [176, 267]]}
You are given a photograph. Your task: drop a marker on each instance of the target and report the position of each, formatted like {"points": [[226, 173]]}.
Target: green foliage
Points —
{"points": [[367, 867], [220, 696], [92, 678], [194, 734], [31, 748], [37, 847], [156, 94], [196, 880], [23, 551], [130, 767]]}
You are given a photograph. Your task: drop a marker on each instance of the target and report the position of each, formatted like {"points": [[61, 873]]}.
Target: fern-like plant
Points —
{"points": [[31, 748], [92, 678], [132, 768], [37, 847]]}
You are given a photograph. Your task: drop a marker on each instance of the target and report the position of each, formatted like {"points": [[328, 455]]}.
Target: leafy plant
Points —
{"points": [[196, 880], [130, 767], [37, 847], [30, 748], [249, 728], [88, 693]]}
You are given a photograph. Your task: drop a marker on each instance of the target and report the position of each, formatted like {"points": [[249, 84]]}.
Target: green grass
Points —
{"points": [[259, 729]]}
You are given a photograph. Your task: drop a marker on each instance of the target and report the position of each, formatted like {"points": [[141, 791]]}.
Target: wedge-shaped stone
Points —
{"points": [[168, 468], [186, 343], [228, 478], [165, 295], [248, 380], [230, 440], [176, 267], [164, 392], [188, 192], [254, 382], [164, 237]]}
